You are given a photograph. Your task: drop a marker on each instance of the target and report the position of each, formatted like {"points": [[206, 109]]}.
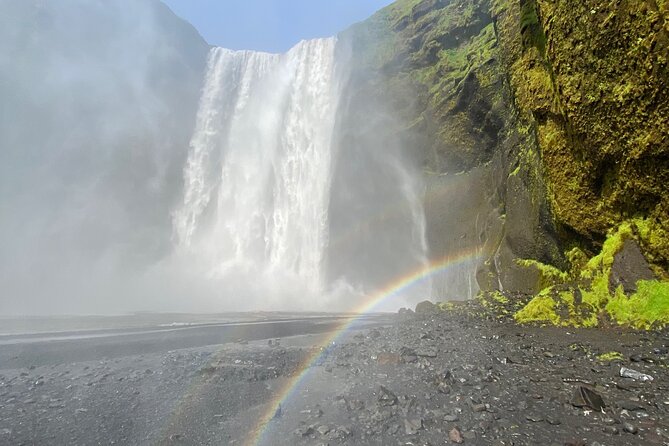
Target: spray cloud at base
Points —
{"points": [[284, 204]]}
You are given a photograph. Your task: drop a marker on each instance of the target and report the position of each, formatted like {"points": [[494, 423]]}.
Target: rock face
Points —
{"points": [[541, 125]]}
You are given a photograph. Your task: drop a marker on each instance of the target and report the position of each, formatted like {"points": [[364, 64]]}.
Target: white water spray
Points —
{"points": [[259, 172], [257, 177]]}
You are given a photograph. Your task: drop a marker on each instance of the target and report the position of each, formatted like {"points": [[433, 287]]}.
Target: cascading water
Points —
{"points": [[258, 174], [257, 181]]}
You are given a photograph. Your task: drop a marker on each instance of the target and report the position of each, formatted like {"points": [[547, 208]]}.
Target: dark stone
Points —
{"points": [[612, 430], [405, 312], [630, 428], [427, 352], [304, 431], [426, 307], [553, 421], [631, 405], [585, 397], [629, 266], [342, 432], [478, 407], [386, 397]]}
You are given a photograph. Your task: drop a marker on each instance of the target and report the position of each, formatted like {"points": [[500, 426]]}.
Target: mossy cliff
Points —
{"points": [[593, 80], [557, 113], [615, 286], [436, 63]]}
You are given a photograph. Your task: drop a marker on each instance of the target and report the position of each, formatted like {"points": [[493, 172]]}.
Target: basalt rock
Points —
{"points": [[629, 266], [541, 126]]}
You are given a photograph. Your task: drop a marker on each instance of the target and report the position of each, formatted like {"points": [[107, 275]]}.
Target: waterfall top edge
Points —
{"points": [[299, 44]]}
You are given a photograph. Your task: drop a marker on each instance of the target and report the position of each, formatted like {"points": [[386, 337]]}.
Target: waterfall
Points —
{"points": [[259, 173], [257, 176]]}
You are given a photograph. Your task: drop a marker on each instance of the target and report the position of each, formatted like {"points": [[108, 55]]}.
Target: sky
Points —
{"points": [[271, 25]]}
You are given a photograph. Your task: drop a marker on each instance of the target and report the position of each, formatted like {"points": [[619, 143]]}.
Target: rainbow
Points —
{"points": [[258, 434]]}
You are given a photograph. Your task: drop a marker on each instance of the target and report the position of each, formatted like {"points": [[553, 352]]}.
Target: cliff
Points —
{"points": [[544, 125]]}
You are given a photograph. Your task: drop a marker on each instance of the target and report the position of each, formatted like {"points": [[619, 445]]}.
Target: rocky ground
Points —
{"points": [[448, 377], [459, 377]]}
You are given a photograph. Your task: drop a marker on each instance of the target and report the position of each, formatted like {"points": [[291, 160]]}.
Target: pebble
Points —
{"points": [[534, 418], [455, 435], [630, 428], [412, 425], [553, 421], [611, 430], [478, 407], [304, 431]]}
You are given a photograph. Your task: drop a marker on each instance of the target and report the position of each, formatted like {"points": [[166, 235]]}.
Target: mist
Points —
{"points": [[88, 170], [98, 133]]}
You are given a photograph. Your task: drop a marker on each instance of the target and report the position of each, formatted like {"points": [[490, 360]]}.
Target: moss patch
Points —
{"points": [[560, 308], [610, 356], [541, 309], [587, 295], [548, 274], [645, 309]]}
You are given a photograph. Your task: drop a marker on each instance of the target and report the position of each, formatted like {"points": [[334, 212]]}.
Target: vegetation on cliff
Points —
{"points": [[592, 79], [567, 105], [437, 63], [596, 293]]}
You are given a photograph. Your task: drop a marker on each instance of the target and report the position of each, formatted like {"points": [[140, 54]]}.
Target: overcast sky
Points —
{"points": [[271, 25]]}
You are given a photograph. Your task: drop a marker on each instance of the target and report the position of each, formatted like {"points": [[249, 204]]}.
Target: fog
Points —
{"points": [[102, 105], [88, 171]]}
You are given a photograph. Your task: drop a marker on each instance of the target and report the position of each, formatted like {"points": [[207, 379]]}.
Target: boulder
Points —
{"points": [[629, 266], [426, 307]]}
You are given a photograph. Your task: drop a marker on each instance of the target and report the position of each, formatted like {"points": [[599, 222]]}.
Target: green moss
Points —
{"points": [[602, 262], [541, 310], [548, 274], [445, 306], [499, 297], [577, 260], [654, 238], [528, 15], [401, 9], [610, 356], [492, 300], [515, 171], [580, 315], [559, 308], [530, 26], [598, 269], [645, 309], [648, 307], [499, 6]]}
